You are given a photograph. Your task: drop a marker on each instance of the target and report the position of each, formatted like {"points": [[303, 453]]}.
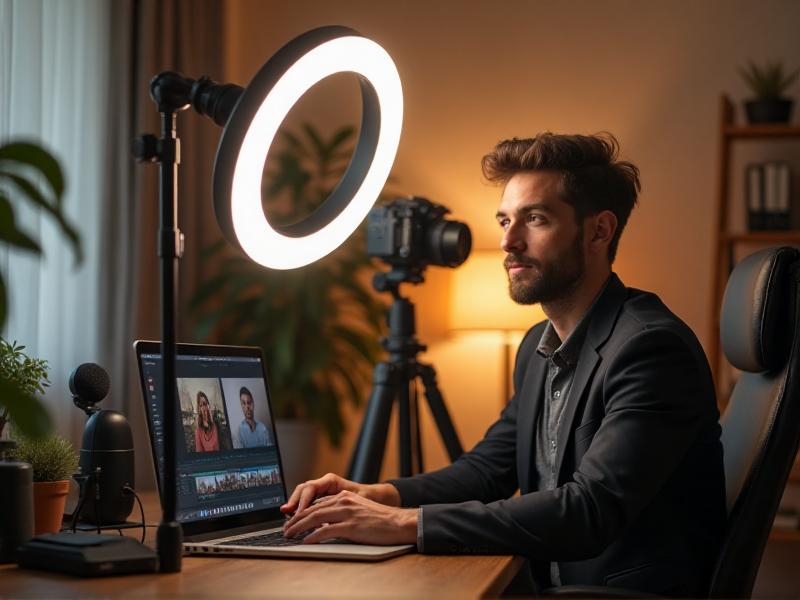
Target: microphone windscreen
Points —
{"points": [[89, 382]]}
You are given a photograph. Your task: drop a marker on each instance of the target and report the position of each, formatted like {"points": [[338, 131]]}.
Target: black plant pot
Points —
{"points": [[769, 110]]}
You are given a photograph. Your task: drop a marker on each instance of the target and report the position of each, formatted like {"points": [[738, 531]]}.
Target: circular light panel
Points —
{"points": [[262, 242]]}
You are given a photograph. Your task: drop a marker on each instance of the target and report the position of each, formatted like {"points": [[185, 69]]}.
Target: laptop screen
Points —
{"points": [[227, 456]]}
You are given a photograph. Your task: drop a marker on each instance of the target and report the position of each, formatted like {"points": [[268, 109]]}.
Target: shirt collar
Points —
{"points": [[566, 353]]}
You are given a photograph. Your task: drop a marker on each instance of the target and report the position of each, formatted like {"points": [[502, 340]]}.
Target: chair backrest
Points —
{"points": [[761, 425]]}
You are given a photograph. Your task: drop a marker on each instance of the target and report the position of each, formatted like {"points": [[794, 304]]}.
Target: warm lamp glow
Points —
{"points": [[479, 299], [257, 237]]}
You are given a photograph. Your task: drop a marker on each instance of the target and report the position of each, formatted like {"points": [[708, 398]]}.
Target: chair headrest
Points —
{"points": [[755, 337]]}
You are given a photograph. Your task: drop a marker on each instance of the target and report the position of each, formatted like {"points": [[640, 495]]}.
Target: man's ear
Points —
{"points": [[601, 230]]}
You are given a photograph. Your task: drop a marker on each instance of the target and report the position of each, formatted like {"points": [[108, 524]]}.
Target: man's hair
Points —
{"points": [[245, 391], [592, 179]]}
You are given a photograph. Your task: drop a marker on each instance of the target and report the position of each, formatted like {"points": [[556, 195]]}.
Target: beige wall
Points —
{"points": [[476, 72]]}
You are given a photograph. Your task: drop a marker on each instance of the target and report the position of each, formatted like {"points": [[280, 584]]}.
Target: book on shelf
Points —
{"points": [[768, 196]]}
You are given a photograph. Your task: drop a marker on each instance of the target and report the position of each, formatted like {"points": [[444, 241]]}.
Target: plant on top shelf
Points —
{"points": [[31, 174], [319, 326], [768, 85]]}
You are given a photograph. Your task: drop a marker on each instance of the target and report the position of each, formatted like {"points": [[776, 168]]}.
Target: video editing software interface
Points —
{"points": [[226, 458]]}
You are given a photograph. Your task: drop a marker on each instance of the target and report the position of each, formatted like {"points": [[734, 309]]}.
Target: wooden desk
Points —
{"points": [[407, 576]]}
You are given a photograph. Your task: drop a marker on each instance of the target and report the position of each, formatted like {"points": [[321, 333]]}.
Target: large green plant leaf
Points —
{"points": [[36, 177], [319, 326]]}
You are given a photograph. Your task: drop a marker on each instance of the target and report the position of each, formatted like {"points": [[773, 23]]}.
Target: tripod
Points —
{"points": [[395, 379]]}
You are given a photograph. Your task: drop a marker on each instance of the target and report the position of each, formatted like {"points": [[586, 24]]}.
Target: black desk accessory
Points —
{"points": [[16, 506], [87, 555], [106, 476]]}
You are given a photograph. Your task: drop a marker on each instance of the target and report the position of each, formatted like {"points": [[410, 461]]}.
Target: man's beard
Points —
{"points": [[556, 279]]}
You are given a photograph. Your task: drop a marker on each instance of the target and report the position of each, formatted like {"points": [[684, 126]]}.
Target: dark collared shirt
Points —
{"points": [[562, 360]]}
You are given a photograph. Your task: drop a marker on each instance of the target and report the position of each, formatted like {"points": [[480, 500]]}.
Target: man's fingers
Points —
{"points": [[305, 493], [291, 503], [329, 532], [306, 497], [315, 517]]}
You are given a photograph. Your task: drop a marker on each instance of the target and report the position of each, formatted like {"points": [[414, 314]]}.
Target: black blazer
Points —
{"points": [[640, 501]]}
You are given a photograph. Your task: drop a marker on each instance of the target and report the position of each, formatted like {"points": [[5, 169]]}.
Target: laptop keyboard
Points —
{"points": [[272, 539]]}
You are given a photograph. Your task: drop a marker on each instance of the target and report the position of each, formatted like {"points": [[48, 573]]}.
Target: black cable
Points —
{"points": [[129, 490], [83, 481]]}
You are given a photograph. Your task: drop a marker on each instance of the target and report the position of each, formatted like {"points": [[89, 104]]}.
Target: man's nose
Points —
{"points": [[512, 241]]}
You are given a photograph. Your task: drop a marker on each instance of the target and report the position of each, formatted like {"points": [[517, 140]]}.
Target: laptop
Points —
{"points": [[230, 475]]}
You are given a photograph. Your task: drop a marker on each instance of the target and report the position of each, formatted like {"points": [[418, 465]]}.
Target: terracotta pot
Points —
{"points": [[49, 500]]}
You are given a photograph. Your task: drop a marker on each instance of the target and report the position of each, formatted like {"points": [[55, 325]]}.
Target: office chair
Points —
{"points": [[760, 333], [761, 427]]}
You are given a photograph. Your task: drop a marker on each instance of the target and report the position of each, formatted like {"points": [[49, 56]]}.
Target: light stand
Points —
{"points": [[169, 92], [251, 118]]}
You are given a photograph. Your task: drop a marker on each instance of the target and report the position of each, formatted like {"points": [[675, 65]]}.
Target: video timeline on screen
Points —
{"points": [[213, 485]]}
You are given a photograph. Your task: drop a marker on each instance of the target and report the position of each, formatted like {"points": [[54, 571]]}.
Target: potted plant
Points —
{"points": [[768, 84], [31, 174], [52, 458], [54, 461], [319, 326]]}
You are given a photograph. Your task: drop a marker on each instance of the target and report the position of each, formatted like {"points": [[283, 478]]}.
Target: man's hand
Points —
{"points": [[351, 516], [329, 485]]}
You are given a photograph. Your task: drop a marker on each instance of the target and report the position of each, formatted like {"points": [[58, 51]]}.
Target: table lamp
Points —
{"points": [[251, 117], [479, 301]]}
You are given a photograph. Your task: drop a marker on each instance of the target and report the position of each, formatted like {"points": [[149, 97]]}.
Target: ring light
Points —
{"points": [[251, 118], [254, 123]]}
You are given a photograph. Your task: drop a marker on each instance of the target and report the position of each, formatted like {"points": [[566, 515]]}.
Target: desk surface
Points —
{"points": [[411, 575]]}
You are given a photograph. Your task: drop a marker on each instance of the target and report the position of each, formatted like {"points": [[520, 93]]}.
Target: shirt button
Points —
{"points": [[557, 393], [553, 444]]}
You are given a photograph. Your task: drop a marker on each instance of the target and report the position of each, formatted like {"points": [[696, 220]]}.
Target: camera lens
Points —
{"points": [[449, 243]]}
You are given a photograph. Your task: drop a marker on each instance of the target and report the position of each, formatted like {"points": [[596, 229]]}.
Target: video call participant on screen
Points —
{"points": [[252, 433], [612, 434], [206, 435]]}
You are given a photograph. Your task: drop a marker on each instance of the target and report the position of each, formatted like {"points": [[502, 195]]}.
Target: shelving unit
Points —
{"points": [[727, 241]]}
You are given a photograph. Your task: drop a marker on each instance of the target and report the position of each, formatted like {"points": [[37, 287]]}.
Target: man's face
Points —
{"points": [[544, 244], [247, 406]]}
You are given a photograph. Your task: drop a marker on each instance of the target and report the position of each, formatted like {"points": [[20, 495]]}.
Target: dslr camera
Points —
{"points": [[411, 233]]}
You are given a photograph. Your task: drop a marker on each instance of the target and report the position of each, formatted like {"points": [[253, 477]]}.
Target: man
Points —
{"points": [[612, 435], [252, 433]]}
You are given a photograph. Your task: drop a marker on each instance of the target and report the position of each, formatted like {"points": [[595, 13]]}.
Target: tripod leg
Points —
{"points": [[439, 412], [405, 438], [417, 460], [365, 463]]}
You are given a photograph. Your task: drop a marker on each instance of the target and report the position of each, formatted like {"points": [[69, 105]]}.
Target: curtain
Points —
{"points": [[153, 36], [54, 91], [74, 75]]}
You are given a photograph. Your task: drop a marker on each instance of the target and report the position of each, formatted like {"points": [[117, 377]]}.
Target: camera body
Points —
{"points": [[412, 233]]}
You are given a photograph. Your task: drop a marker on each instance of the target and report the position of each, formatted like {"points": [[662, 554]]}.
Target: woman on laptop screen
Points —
{"points": [[206, 436]]}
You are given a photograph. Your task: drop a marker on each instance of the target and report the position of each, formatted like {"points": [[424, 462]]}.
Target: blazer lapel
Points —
{"points": [[602, 324]]}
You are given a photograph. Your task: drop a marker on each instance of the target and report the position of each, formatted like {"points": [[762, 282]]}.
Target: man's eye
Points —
{"points": [[537, 219], [503, 223]]}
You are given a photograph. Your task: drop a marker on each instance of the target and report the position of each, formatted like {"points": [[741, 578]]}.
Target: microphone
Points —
{"points": [[106, 458], [89, 384]]}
